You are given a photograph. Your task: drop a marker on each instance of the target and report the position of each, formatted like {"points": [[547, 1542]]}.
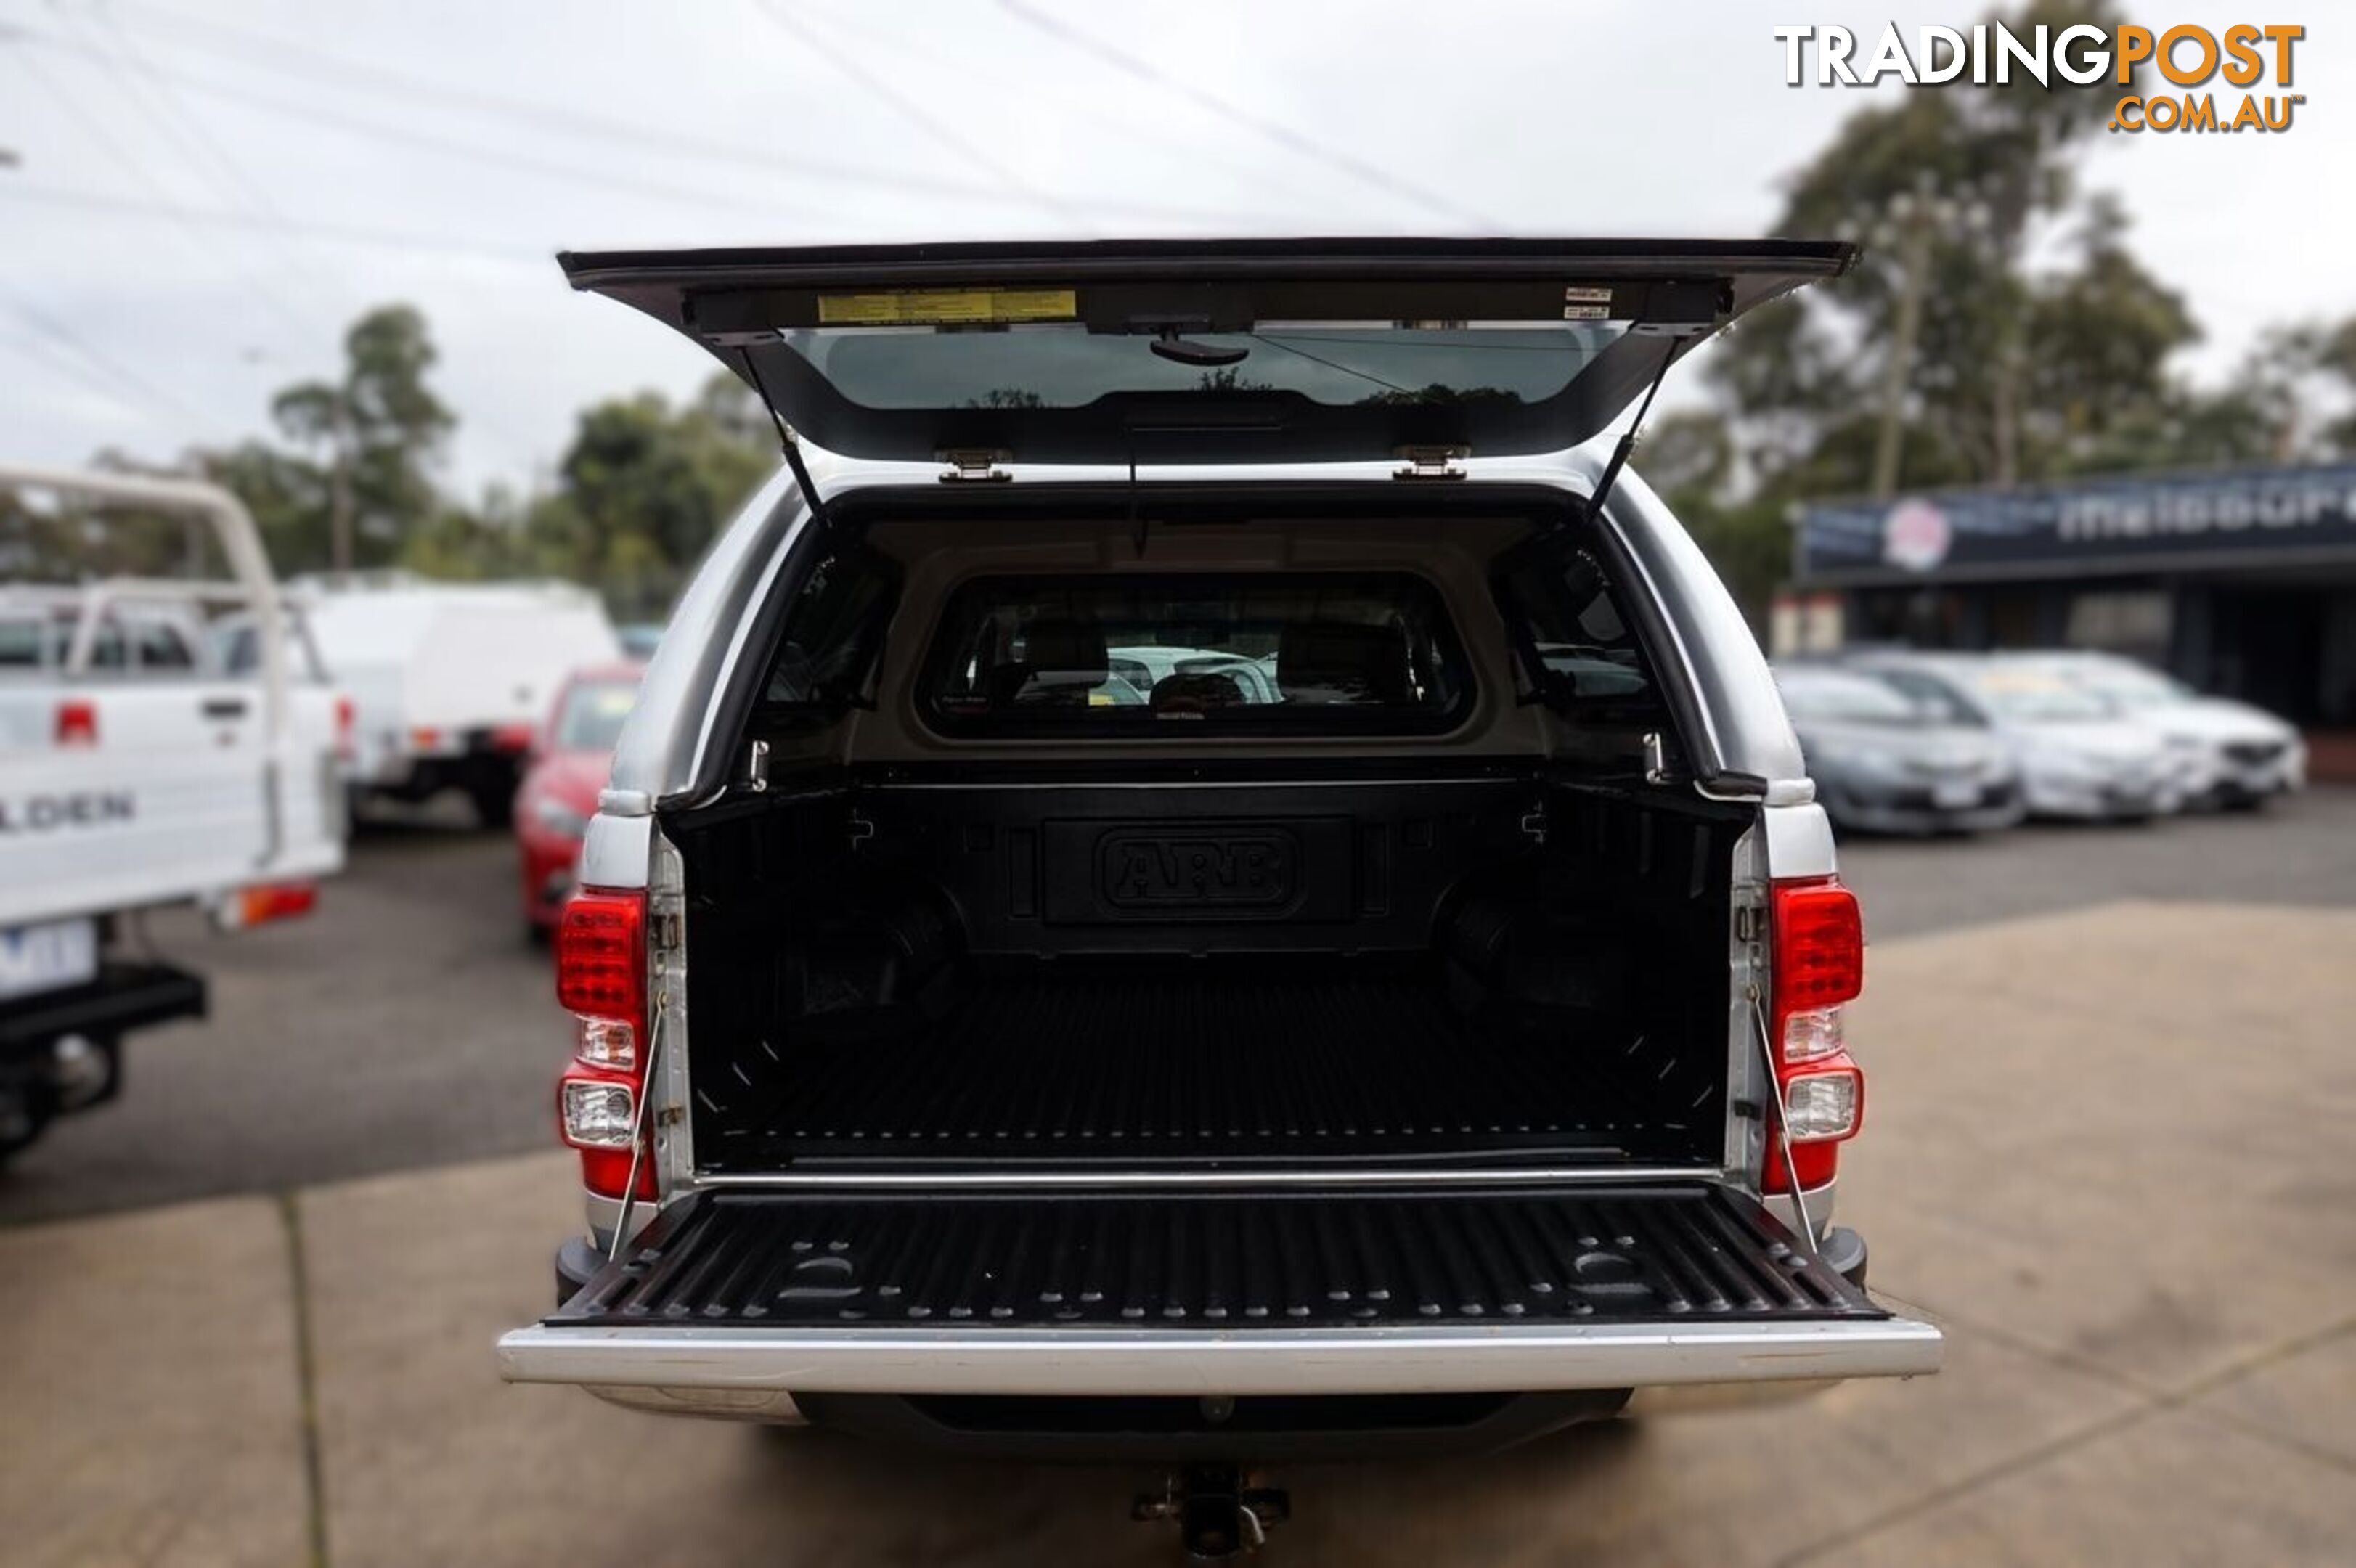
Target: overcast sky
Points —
{"points": [[204, 192]]}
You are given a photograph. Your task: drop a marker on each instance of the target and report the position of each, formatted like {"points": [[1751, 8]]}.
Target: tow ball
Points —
{"points": [[1217, 1515]]}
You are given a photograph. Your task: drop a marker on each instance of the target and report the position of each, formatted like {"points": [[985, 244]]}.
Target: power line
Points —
{"points": [[111, 375], [114, 376], [101, 133], [130, 95], [257, 51], [38, 353], [261, 200], [1284, 135], [238, 182], [916, 114], [242, 46], [93, 201], [905, 44]]}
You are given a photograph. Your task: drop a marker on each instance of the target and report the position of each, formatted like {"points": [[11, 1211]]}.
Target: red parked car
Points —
{"points": [[559, 793]]}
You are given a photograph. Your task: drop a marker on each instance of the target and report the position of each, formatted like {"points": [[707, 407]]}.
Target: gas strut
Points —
{"points": [[789, 444], [1627, 444]]}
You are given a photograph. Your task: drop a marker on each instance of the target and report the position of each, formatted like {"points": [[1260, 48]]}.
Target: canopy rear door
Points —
{"points": [[1205, 351]]}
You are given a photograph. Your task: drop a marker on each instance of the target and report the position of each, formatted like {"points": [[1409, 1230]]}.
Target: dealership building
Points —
{"points": [[2242, 581]]}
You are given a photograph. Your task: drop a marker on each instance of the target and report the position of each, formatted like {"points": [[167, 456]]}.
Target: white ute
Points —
{"points": [[135, 771], [449, 681]]}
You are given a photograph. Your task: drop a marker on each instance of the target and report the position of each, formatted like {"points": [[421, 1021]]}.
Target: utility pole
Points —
{"points": [[339, 490], [1911, 221], [1913, 280]]}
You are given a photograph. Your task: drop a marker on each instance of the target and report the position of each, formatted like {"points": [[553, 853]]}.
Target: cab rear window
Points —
{"points": [[1304, 653]]}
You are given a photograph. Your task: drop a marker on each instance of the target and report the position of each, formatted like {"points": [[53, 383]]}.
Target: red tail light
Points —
{"points": [[346, 716], [601, 979], [276, 901], [1819, 944], [77, 722], [1818, 941], [601, 955]]}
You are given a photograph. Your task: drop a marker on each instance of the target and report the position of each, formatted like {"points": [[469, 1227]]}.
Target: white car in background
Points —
{"points": [[2078, 756], [2227, 753], [1147, 666], [449, 681]]}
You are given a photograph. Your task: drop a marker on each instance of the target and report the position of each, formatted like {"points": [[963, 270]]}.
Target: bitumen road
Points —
{"points": [[408, 1023]]}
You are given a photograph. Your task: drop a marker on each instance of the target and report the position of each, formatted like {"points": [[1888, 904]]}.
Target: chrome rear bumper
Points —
{"points": [[731, 1371]]}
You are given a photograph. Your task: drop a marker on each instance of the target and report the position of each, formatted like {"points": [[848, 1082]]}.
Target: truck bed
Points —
{"points": [[1136, 1062]]}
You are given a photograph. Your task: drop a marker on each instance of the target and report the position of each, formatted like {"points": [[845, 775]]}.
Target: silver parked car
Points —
{"points": [[2226, 752], [1885, 763], [2078, 757]]}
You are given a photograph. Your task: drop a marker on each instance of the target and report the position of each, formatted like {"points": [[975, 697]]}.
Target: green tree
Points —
{"points": [[376, 432], [2029, 360], [1970, 170], [287, 495], [2335, 356], [645, 488]]}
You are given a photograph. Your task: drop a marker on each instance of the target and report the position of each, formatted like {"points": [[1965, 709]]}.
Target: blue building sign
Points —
{"points": [[2085, 528]]}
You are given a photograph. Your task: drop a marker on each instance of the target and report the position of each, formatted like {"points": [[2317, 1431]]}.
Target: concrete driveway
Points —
{"points": [[2108, 1150]]}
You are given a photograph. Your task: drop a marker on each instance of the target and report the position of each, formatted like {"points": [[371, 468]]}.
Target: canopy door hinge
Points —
{"points": [[974, 465], [1431, 462]]}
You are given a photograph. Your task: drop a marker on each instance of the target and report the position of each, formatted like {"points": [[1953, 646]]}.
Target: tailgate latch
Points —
{"points": [[974, 465], [1431, 462]]}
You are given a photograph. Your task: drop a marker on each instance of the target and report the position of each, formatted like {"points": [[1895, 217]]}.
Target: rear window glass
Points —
{"points": [[159, 647], [1337, 363], [832, 633], [20, 644], [1300, 652], [1572, 638]]}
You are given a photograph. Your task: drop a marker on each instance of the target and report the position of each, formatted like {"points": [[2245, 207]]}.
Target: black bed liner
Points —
{"points": [[1214, 1260], [1294, 1061]]}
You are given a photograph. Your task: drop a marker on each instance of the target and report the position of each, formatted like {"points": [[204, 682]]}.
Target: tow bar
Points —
{"points": [[1219, 1517]]}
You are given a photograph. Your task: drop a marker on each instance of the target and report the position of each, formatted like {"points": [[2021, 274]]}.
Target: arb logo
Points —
{"points": [[1195, 870]]}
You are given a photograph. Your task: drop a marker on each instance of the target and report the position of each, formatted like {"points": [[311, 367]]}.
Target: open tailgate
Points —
{"points": [[1200, 351], [1263, 1293]]}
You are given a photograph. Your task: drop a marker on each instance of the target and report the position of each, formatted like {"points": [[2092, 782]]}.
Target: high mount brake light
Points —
{"points": [[1818, 940], [601, 979]]}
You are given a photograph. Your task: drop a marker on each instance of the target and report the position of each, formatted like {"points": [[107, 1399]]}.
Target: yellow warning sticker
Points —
{"points": [[934, 307]]}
